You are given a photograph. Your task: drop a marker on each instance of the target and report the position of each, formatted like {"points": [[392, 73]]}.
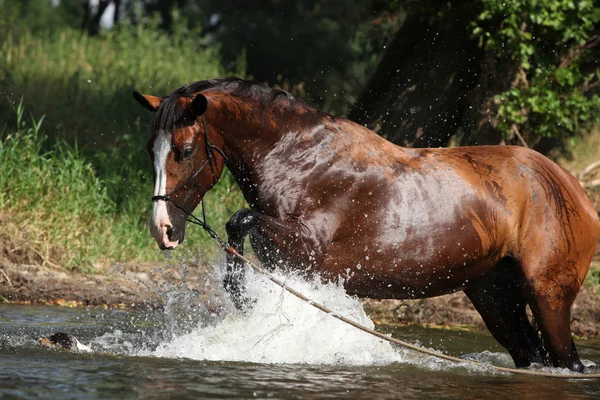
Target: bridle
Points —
{"points": [[210, 162]]}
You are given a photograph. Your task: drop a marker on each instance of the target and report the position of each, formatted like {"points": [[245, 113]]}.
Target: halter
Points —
{"points": [[209, 162]]}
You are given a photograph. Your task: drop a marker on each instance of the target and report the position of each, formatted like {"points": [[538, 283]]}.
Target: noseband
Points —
{"points": [[210, 159]]}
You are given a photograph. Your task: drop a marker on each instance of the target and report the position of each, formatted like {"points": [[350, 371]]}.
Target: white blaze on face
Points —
{"points": [[160, 222]]}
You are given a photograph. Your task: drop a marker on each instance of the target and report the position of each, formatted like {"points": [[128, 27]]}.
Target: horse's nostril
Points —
{"points": [[170, 233]]}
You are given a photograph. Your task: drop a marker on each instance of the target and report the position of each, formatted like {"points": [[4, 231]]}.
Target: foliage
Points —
{"points": [[594, 277], [550, 47], [39, 15], [321, 50], [543, 77], [83, 85]]}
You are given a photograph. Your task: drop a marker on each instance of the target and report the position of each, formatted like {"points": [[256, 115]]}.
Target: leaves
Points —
{"points": [[548, 41]]}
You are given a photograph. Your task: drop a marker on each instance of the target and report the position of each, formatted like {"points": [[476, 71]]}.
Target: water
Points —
{"points": [[281, 349]]}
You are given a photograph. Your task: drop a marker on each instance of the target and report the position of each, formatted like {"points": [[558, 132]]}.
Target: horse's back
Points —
{"points": [[470, 206]]}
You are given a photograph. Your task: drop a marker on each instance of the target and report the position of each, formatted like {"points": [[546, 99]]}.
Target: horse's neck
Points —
{"points": [[259, 146], [275, 151]]}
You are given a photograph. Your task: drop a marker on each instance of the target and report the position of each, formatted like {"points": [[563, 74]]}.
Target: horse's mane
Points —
{"points": [[169, 114]]}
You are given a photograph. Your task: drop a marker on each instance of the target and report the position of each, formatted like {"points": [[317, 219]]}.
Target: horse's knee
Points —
{"points": [[240, 223]]}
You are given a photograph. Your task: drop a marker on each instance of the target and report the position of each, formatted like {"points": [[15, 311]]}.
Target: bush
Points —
{"points": [[550, 44]]}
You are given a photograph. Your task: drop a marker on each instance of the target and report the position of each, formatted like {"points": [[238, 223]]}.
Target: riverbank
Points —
{"points": [[147, 286]]}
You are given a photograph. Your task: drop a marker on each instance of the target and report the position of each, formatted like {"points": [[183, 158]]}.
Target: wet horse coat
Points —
{"points": [[504, 224]]}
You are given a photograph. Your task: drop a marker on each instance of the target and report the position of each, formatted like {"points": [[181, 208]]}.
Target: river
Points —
{"points": [[282, 348]]}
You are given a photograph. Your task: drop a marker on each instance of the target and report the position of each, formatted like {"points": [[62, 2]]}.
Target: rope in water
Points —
{"points": [[390, 339]]}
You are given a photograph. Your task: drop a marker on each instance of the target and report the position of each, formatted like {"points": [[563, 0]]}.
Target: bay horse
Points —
{"points": [[504, 224]]}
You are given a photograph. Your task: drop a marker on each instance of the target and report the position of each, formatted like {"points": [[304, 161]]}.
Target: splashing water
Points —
{"points": [[281, 328], [278, 329]]}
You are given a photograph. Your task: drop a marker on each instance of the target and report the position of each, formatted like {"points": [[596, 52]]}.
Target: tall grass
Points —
{"points": [[77, 186], [83, 85], [53, 196]]}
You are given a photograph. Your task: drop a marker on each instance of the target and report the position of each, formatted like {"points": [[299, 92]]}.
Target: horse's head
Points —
{"points": [[186, 158]]}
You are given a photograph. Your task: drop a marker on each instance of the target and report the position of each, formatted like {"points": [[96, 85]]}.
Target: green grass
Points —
{"points": [[595, 277], [76, 180], [83, 85]]}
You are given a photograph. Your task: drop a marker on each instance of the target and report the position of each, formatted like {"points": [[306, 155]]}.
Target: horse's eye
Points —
{"points": [[187, 153]]}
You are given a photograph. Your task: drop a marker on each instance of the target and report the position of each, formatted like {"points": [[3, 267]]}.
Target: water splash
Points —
{"points": [[281, 328]]}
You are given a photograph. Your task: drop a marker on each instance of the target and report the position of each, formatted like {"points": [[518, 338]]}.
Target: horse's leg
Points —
{"points": [[551, 294], [556, 330], [270, 236], [554, 323], [237, 229], [499, 299]]}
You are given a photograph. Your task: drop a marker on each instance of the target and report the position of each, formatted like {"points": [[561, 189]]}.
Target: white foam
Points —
{"points": [[281, 328]]}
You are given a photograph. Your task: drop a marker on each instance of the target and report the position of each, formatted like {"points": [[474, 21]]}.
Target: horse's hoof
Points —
{"points": [[577, 367]]}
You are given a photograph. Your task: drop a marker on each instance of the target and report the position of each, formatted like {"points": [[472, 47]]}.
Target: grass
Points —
{"points": [[581, 151], [593, 277], [83, 85], [76, 181]]}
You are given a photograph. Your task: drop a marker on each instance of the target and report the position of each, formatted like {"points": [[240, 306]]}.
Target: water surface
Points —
{"points": [[280, 349]]}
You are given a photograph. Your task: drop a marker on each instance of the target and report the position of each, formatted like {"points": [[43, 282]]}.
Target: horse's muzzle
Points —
{"points": [[164, 234]]}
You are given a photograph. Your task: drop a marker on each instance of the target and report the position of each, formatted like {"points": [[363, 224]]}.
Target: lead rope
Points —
{"points": [[233, 252]]}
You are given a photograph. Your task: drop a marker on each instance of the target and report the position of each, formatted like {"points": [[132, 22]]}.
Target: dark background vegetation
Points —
{"points": [[420, 73]]}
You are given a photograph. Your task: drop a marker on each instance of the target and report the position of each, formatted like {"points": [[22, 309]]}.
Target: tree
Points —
{"points": [[417, 95], [92, 15], [321, 50], [495, 71]]}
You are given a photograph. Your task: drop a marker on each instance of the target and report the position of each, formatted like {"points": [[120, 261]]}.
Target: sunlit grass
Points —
{"points": [[83, 85], [581, 151], [76, 184]]}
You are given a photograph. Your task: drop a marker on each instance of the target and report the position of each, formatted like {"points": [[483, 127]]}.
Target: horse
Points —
{"points": [[330, 197]]}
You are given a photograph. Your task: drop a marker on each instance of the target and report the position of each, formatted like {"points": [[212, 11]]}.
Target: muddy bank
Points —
{"points": [[143, 286], [119, 286]]}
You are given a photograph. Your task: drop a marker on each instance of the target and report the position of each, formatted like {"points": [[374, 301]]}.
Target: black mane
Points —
{"points": [[169, 114]]}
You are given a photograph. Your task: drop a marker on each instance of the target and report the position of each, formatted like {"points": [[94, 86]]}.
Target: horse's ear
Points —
{"points": [[199, 104], [148, 101]]}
